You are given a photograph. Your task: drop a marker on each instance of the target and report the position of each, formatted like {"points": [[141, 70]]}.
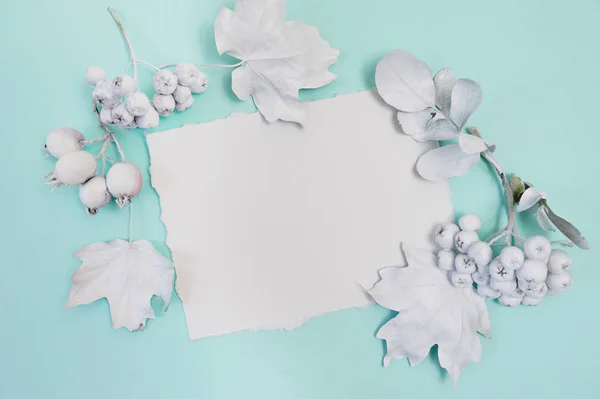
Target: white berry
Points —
{"points": [[164, 82], [469, 222], [559, 282], [64, 140], [104, 95], [444, 235], [509, 301], [529, 286], [539, 292], [488, 292], [531, 301], [480, 252], [124, 181], [149, 120], [512, 258], [481, 278], [164, 104], [499, 272], [559, 261], [137, 104], [123, 86], [201, 83], [106, 116], [460, 280], [94, 194], [532, 271], [464, 239], [446, 259], [464, 264], [187, 74], [182, 94], [505, 287], [73, 168], [183, 106], [537, 248], [122, 117], [94, 74]]}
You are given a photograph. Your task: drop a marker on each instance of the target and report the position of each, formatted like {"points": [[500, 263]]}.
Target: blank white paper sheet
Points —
{"points": [[272, 224]]}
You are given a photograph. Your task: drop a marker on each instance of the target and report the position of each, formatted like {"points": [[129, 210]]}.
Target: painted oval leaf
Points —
{"points": [[444, 162]]}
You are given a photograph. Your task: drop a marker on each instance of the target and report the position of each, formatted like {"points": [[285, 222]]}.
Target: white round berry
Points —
{"points": [[182, 94], [124, 181], [539, 292], [531, 301], [532, 271], [464, 264], [94, 194], [164, 82], [505, 287], [94, 74], [488, 292], [122, 117], [559, 282], [461, 280], [529, 286], [187, 74], [64, 140], [480, 252], [164, 104], [200, 85], [509, 301], [469, 222], [137, 104], [559, 261], [537, 248], [149, 120], [183, 106], [103, 94], [464, 239], [446, 259], [499, 272], [106, 116], [481, 278], [512, 257], [444, 235], [123, 86], [75, 168]]}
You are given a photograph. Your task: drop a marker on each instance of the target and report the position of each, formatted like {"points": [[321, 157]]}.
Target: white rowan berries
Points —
{"points": [[149, 120], [187, 74], [94, 74], [164, 82], [104, 95], [137, 104], [559, 282], [464, 264], [63, 140], [124, 181], [72, 169], [559, 261], [180, 107], [94, 194], [164, 104], [446, 259], [123, 86], [537, 248], [200, 85], [469, 222], [461, 280], [512, 258], [122, 117], [464, 239], [480, 252], [182, 94], [444, 235]]}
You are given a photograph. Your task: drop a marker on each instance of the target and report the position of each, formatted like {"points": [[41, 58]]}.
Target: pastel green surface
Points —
{"points": [[537, 64]]}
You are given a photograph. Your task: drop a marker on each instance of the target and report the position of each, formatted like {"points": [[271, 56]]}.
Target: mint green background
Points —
{"points": [[537, 63]]}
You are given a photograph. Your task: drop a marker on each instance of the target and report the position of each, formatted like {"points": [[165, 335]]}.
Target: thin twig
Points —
{"points": [[148, 64], [96, 140], [108, 132], [206, 65], [131, 52], [569, 244]]}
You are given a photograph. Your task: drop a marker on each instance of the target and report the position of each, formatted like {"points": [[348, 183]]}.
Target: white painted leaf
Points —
{"points": [[543, 220], [466, 97], [280, 57], [431, 312], [127, 275], [417, 122], [405, 82], [438, 129], [470, 144], [444, 162], [530, 197], [567, 228], [444, 83]]}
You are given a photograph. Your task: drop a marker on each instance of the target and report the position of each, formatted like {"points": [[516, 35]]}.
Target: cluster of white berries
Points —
{"points": [[125, 106], [513, 277], [77, 167]]}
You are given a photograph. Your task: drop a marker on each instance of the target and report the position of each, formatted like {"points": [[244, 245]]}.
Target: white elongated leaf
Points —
{"points": [[444, 162], [543, 220], [444, 82], [279, 57], [438, 129], [565, 227], [127, 275], [470, 144], [417, 122], [405, 82], [431, 312], [466, 97], [530, 197]]}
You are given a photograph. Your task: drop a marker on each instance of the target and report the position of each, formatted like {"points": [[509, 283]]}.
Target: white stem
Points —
{"points": [[96, 140], [109, 133], [207, 65], [131, 52], [131, 221], [148, 64], [564, 243], [119, 148]]}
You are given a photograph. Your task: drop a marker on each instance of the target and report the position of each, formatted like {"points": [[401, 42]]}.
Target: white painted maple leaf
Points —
{"points": [[431, 312], [127, 275], [279, 57]]}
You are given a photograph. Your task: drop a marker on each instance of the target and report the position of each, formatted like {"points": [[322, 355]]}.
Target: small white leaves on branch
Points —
{"points": [[530, 197], [278, 57], [431, 312], [127, 275], [444, 162], [470, 144]]}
